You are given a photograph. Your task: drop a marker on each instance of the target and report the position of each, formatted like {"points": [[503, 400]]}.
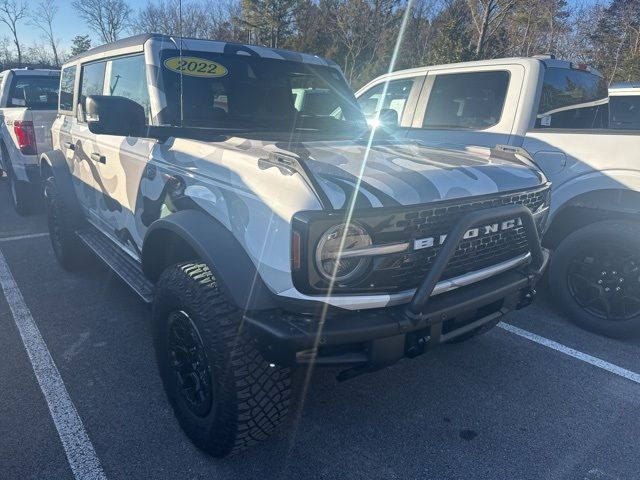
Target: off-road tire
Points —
{"points": [[63, 224], [617, 235], [481, 330], [249, 397]]}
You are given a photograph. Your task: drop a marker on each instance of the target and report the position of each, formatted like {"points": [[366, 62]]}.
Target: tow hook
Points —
{"points": [[526, 298]]}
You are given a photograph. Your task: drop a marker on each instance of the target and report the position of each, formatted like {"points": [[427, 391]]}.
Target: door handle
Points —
{"points": [[69, 146], [96, 157]]}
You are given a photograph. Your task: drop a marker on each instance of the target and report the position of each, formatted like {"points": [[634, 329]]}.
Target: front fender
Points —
{"points": [[600, 180], [218, 248]]}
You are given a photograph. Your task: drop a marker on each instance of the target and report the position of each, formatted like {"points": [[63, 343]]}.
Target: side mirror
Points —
{"points": [[388, 118], [113, 115]]}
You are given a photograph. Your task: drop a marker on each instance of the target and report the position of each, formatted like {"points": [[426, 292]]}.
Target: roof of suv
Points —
{"points": [[206, 45]]}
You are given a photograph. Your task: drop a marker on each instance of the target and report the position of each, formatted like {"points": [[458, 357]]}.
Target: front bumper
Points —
{"points": [[371, 339], [379, 337]]}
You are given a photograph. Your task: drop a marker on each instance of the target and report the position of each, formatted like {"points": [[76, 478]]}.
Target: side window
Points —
{"points": [[466, 100], [625, 112], [128, 79], [67, 84], [394, 98], [92, 81]]}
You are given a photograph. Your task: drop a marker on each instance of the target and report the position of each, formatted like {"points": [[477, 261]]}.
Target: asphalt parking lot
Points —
{"points": [[498, 407]]}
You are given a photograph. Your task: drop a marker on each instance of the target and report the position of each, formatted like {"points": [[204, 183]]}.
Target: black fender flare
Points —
{"points": [[55, 161], [218, 248]]}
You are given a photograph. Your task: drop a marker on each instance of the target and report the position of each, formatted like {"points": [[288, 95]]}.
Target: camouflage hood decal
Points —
{"points": [[407, 173]]}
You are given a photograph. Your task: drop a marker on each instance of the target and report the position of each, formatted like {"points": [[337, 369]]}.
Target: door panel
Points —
{"points": [[121, 161], [121, 168]]}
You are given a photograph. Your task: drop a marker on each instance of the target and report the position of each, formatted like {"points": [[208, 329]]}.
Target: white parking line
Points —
{"points": [[595, 361], [81, 455], [24, 237]]}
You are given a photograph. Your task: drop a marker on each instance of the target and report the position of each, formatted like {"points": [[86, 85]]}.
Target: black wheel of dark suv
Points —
{"points": [[62, 228], [595, 278], [224, 394]]}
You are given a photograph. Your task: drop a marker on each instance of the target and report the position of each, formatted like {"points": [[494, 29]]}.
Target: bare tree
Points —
{"points": [[42, 18], [488, 16], [108, 17], [11, 13], [38, 55], [6, 56]]}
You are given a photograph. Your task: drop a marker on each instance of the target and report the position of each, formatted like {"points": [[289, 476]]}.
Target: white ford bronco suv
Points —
{"points": [[28, 107], [558, 112], [268, 232]]}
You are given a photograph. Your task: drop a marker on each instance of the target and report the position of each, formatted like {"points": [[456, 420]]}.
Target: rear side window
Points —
{"points": [[92, 81], [128, 79], [625, 112], [573, 98], [67, 85], [467, 100], [36, 92], [394, 98]]}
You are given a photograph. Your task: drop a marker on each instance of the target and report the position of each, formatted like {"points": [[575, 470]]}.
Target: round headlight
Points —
{"points": [[340, 266]]}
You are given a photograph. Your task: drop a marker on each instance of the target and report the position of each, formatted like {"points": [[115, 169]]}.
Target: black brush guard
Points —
{"points": [[371, 339]]}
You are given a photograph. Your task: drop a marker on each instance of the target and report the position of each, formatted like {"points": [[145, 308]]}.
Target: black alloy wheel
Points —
{"points": [[595, 277], [190, 364]]}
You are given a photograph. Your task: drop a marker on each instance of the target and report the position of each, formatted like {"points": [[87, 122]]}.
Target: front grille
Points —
{"points": [[408, 270], [405, 271]]}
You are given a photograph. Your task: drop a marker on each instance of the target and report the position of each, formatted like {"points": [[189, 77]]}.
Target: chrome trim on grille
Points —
{"points": [[372, 250], [358, 302]]}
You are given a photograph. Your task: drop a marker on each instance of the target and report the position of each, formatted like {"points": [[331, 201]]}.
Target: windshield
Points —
{"points": [[37, 92], [211, 90]]}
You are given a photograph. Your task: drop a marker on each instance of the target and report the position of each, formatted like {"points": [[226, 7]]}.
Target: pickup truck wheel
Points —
{"points": [[225, 396], [21, 195], [62, 229], [595, 278]]}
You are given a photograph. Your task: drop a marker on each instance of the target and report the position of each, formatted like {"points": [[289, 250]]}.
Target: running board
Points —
{"points": [[122, 264]]}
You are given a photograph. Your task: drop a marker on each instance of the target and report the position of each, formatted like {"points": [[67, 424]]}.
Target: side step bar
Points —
{"points": [[122, 264]]}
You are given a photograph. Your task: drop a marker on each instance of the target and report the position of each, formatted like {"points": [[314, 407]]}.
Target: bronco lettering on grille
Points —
{"points": [[476, 232]]}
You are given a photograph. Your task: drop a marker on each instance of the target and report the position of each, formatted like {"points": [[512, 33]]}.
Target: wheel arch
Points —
{"points": [[191, 234], [54, 164], [592, 206]]}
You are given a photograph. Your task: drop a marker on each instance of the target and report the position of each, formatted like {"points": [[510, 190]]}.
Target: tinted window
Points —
{"points": [[67, 85], [128, 79], [467, 100], [394, 98], [625, 112], [573, 99], [235, 91], [92, 81], [37, 92]]}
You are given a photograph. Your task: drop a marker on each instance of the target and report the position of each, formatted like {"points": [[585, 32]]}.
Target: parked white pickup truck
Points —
{"points": [[558, 112], [28, 107], [624, 106]]}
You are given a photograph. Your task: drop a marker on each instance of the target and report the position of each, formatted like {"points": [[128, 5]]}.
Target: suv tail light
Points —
{"points": [[26, 136]]}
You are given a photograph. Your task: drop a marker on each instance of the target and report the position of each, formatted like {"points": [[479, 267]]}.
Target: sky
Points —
{"points": [[68, 24]]}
